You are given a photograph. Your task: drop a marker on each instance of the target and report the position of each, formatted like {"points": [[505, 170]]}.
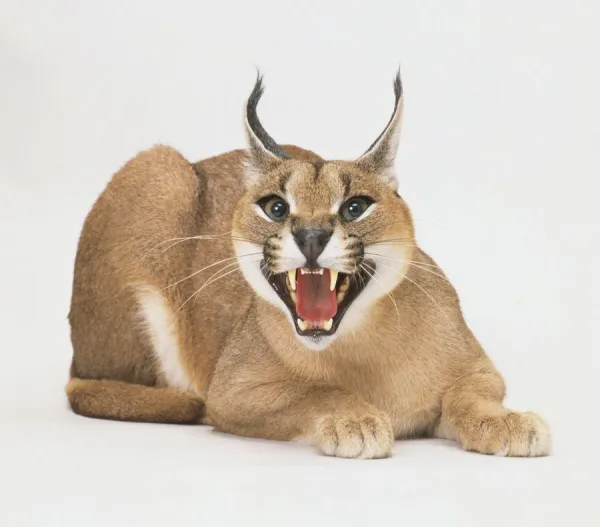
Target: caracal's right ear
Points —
{"points": [[264, 154]]}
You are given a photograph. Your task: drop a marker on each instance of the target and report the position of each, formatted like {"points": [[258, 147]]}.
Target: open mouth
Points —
{"points": [[317, 298]]}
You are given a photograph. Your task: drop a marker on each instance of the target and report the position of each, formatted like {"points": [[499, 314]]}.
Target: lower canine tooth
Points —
{"points": [[303, 325], [334, 277], [327, 325], [345, 285]]}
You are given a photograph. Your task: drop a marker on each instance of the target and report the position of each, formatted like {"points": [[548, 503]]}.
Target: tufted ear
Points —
{"points": [[380, 156], [264, 153]]}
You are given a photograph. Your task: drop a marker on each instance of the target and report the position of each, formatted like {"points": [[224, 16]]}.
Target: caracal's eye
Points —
{"points": [[275, 207], [355, 207]]}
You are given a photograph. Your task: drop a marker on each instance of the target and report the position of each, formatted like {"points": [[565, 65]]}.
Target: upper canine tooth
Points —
{"points": [[292, 277], [334, 277], [320, 271], [328, 324], [303, 270]]}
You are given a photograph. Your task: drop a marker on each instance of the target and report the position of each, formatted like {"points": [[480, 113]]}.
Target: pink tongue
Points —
{"points": [[314, 301]]}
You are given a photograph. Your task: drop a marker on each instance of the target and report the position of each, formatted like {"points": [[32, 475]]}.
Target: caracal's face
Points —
{"points": [[322, 242]]}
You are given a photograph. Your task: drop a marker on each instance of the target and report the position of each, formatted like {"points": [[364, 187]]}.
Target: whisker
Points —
{"points": [[417, 266], [385, 226], [402, 260], [212, 281], [409, 242], [240, 239], [425, 264], [380, 285], [209, 281], [434, 301], [263, 268], [183, 239], [405, 220], [179, 240], [362, 280], [209, 266], [431, 298]]}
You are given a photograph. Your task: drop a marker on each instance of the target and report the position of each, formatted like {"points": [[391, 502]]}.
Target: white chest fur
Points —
{"points": [[159, 322]]}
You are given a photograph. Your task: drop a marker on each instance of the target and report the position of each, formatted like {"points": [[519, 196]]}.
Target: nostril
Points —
{"points": [[323, 238]]}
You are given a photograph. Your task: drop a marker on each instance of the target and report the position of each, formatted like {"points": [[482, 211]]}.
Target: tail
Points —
{"points": [[122, 401]]}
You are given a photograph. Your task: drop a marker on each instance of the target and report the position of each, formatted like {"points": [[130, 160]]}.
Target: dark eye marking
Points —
{"points": [[283, 181], [318, 164], [345, 178]]}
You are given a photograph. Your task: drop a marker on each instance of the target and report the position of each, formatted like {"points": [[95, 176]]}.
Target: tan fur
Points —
{"points": [[409, 367], [131, 402]]}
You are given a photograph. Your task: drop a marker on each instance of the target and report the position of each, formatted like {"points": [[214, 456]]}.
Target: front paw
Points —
{"points": [[368, 436], [511, 434]]}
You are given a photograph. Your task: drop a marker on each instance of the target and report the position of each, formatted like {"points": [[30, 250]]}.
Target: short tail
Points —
{"points": [[122, 401]]}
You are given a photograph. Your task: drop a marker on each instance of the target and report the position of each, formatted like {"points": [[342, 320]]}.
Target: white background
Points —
{"points": [[499, 161]]}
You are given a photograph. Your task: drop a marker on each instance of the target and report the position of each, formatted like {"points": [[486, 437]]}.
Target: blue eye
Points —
{"points": [[275, 207], [355, 207]]}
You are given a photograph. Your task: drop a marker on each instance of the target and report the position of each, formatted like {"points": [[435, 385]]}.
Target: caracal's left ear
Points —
{"points": [[264, 154], [380, 156]]}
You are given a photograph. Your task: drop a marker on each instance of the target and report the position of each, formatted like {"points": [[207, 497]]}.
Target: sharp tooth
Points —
{"points": [[320, 271], [327, 325], [340, 297], [292, 277], [345, 285], [302, 270], [302, 324], [293, 295], [334, 277]]}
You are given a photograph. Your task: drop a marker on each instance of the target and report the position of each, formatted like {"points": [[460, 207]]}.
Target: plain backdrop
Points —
{"points": [[499, 161]]}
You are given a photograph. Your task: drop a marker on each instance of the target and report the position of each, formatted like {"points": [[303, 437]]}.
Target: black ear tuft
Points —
{"points": [[380, 156], [398, 94], [254, 124], [398, 86]]}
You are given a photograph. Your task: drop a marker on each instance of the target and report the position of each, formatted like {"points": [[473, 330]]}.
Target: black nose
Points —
{"points": [[311, 243]]}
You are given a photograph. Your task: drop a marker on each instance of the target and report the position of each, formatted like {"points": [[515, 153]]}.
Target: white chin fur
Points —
{"points": [[317, 344]]}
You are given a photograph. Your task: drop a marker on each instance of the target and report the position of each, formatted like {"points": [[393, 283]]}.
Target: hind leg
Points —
{"points": [[473, 414], [132, 402]]}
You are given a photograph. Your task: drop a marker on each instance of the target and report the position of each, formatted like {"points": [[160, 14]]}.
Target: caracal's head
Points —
{"points": [[322, 241]]}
